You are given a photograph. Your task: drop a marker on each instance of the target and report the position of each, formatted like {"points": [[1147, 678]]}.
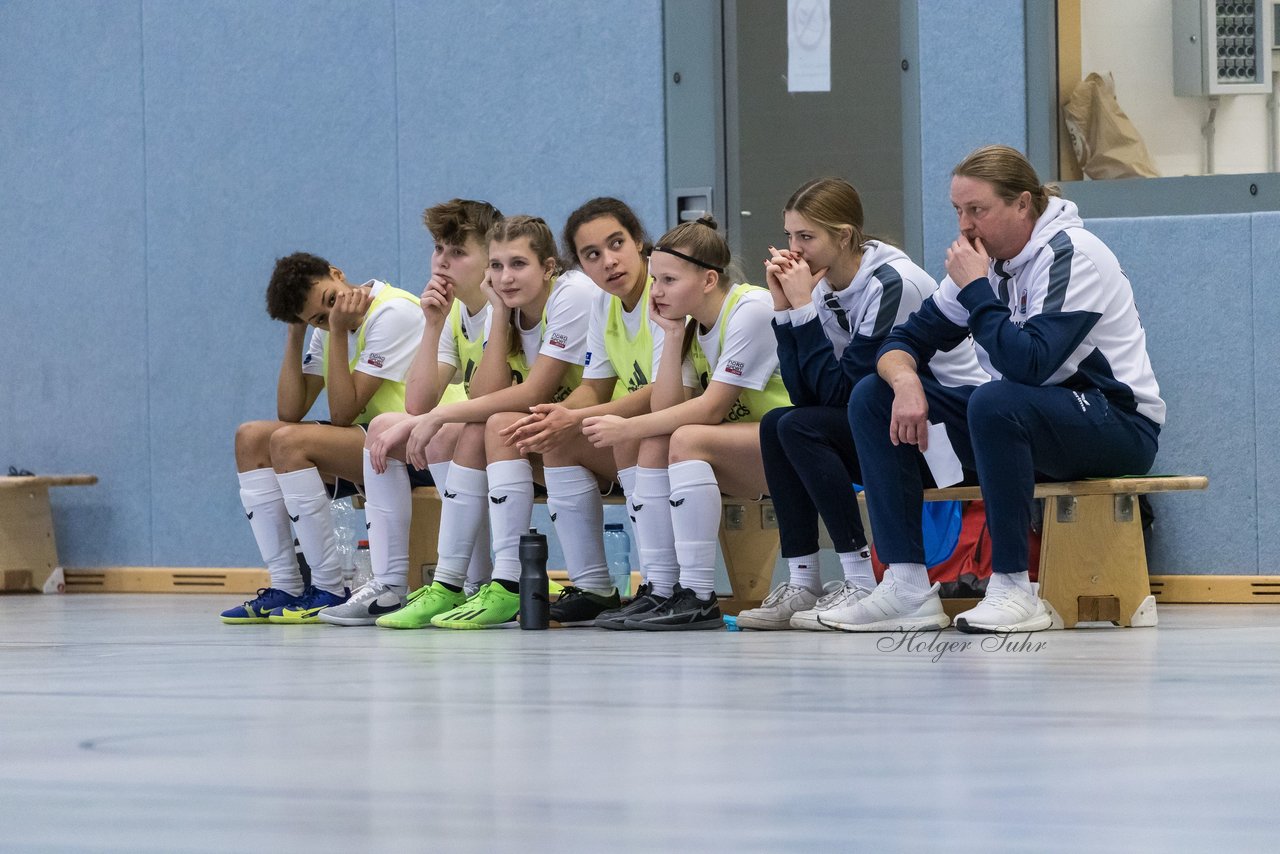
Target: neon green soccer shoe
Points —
{"points": [[424, 603], [493, 607]]}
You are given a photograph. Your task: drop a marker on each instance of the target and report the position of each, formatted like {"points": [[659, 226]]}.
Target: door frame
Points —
{"points": [[702, 135]]}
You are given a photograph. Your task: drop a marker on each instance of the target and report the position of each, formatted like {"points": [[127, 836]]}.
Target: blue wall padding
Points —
{"points": [[969, 96], [158, 157], [1194, 283]]}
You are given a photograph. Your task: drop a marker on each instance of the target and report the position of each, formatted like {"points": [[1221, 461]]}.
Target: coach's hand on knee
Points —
{"points": [[909, 420]]}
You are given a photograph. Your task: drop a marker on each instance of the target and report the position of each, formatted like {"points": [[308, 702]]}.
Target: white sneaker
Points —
{"points": [[365, 606], [839, 597], [1008, 610], [883, 610], [782, 603]]}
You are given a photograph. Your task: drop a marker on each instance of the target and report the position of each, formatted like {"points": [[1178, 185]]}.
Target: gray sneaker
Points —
{"points": [[365, 606], [779, 606], [838, 594]]}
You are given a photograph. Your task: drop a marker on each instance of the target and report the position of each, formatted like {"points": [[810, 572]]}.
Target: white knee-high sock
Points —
{"points": [[857, 568], [462, 511], [806, 573], [269, 520], [439, 473], [510, 509], [627, 480], [388, 510], [651, 518], [573, 497], [308, 503], [480, 568], [695, 520]]}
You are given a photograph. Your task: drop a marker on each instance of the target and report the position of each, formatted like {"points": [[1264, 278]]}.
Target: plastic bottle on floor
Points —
{"points": [[344, 536], [363, 565], [535, 606], [617, 554]]}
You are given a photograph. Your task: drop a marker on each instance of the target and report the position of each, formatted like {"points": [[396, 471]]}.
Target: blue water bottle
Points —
{"points": [[617, 554]]}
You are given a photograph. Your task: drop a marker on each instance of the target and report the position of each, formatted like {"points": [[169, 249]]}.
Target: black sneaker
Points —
{"points": [[645, 602], [684, 611], [578, 607]]}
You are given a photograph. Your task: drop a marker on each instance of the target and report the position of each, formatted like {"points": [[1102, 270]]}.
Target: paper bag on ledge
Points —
{"points": [[1105, 142]]}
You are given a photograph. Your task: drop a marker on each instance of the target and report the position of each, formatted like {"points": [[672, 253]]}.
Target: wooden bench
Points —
{"points": [[28, 550], [748, 542], [1093, 560], [1093, 563]]}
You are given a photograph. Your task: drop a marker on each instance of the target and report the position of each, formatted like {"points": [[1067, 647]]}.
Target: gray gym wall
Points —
{"points": [[156, 157]]}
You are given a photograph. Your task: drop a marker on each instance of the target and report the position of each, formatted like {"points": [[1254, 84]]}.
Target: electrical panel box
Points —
{"points": [[1222, 48]]}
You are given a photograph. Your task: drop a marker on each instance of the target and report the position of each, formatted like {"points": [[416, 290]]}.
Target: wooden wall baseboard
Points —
{"points": [[1209, 589], [165, 579]]}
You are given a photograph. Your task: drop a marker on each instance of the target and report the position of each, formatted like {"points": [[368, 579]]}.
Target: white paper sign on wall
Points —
{"points": [[808, 46]]}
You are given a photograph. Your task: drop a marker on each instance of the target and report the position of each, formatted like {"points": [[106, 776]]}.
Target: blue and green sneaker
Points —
{"points": [[308, 606], [257, 608]]}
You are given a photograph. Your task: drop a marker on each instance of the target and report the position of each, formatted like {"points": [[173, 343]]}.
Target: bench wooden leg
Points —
{"points": [[28, 552], [750, 554], [1092, 563], [424, 533]]}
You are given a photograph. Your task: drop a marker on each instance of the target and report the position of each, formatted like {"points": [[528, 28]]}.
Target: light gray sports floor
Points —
{"points": [[140, 723]]}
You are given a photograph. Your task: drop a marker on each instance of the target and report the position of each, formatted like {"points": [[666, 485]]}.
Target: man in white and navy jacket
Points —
{"points": [[1054, 322]]}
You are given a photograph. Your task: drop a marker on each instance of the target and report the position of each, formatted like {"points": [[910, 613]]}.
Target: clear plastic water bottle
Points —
{"points": [[617, 554], [344, 536], [363, 565]]}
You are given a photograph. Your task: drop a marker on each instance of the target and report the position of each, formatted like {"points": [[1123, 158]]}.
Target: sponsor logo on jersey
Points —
{"points": [[376, 360], [733, 366], [306, 360], [1022, 303], [588, 362], [559, 340], [738, 412], [638, 378]]}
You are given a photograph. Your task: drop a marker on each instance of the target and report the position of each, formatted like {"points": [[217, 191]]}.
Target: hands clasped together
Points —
{"points": [[790, 280]]}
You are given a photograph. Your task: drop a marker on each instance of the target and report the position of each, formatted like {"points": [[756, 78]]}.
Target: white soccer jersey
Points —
{"points": [[568, 314], [750, 356], [599, 366], [474, 326], [393, 332]]}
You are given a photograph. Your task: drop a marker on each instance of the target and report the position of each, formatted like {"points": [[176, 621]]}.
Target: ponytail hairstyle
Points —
{"points": [[700, 243], [832, 204], [603, 206], [541, 241], [1009, 173]]}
